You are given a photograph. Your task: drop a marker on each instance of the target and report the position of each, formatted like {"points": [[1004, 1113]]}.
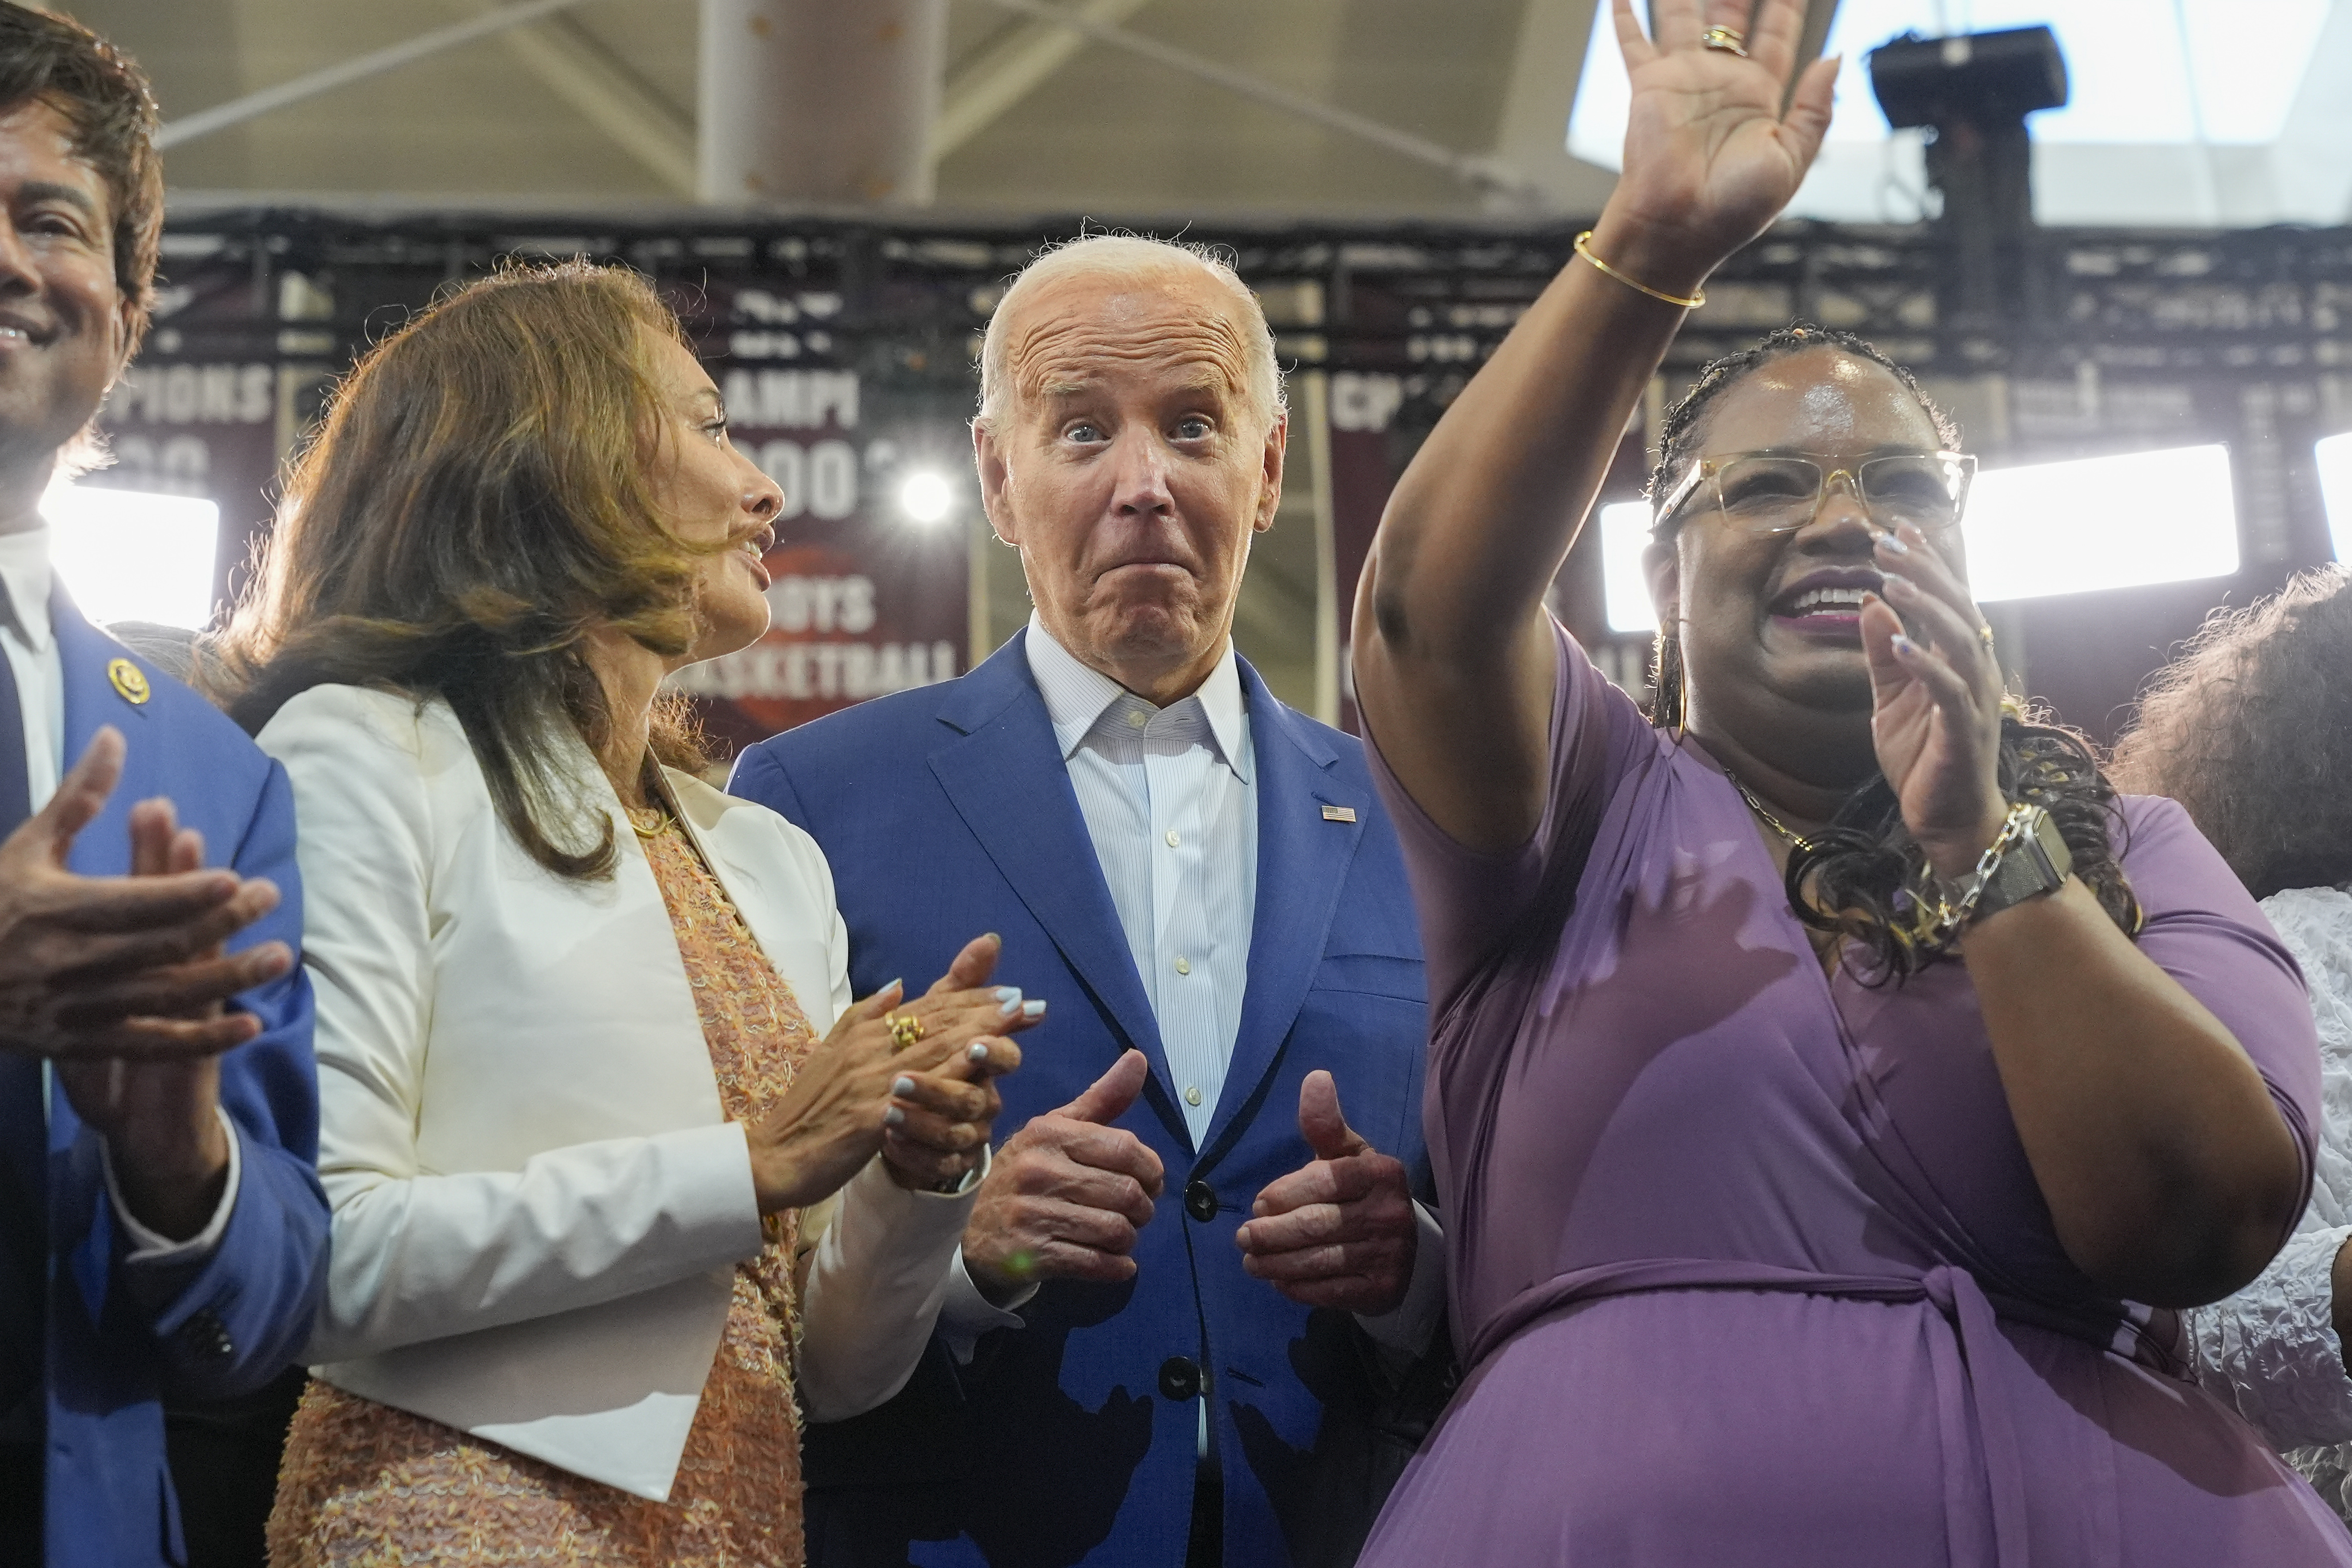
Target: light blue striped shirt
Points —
{"points": [[1170, 804]]}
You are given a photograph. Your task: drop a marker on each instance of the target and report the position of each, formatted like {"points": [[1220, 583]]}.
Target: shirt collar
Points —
{"points": [[1077, 696], [26, 577]]}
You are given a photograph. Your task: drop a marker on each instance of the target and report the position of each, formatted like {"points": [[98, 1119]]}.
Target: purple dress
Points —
{"points": [[1747, 1263]]}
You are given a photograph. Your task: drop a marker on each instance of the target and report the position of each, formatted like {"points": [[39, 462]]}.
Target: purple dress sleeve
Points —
{"points": [[2206, 930], [1471, 901]]}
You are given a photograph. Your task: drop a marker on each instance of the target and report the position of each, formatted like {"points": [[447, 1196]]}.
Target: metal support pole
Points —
{"points": [[815, 101]]}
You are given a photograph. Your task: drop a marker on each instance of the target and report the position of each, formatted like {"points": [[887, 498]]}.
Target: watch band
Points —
{"points": [[2037, 863]]}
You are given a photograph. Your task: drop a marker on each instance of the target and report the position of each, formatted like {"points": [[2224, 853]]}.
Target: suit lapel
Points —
{"points": [[1002, 771], [87, 659], [1302, 862]]}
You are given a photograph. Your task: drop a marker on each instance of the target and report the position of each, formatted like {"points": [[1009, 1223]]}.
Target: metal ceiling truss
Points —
{"points": [[2119, 341]]}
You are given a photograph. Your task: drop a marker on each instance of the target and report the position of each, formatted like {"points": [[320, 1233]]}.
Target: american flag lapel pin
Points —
{"points": [[1338, 814]]}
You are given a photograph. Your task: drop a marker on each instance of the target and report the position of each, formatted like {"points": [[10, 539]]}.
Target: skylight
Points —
{"points": [[2193, 112]]}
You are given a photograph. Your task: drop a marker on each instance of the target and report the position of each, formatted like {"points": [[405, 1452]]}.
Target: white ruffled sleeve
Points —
{"points": [[2271, 1350]]}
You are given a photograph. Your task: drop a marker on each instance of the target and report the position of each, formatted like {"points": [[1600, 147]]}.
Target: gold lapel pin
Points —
{"points": [[129, 681], [1338, 814]]}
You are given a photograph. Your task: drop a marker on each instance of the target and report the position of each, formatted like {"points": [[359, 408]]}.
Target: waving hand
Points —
{"points": [[1708, 156]]}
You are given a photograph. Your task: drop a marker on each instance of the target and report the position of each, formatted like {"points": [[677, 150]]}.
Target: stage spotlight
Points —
{"points": [[127, 555], [2334, 458], [1626, 592], [2125, 521], [926, 497]]}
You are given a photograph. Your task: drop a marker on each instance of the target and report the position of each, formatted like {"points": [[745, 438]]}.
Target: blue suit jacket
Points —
{"points": [[946, 811], [118, 1337]]}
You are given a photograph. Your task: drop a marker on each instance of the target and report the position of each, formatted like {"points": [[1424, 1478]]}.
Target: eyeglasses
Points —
{"points": [[1775, 492]]}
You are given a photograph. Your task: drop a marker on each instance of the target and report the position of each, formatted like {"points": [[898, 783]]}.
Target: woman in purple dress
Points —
{"points": [[1829, 1078]]}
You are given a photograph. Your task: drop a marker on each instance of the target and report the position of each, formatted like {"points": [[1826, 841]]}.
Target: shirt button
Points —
{"points": [[1135, 719], [1172, 840], [1183, 965], [1192, 1094]]}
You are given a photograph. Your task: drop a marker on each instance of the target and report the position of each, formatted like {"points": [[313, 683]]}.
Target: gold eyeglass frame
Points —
{"points": [[1709, 471]]}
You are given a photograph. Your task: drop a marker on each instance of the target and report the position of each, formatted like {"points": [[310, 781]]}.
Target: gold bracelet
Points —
{"points": [[1584, 249]]}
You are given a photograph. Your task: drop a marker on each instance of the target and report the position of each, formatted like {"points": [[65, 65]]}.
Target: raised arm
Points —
{"points": [[1454, 661]]}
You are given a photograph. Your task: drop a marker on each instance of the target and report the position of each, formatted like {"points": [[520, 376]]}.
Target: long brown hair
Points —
{"points": [[475, 504]]}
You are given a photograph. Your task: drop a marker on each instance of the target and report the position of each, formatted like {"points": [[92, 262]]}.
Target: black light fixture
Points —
{"points": [[1972, 92]]}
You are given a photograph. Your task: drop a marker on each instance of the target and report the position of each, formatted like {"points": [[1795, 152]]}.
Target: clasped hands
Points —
{"points": [[122, 982], [1069, 1192], [926, 1105]]}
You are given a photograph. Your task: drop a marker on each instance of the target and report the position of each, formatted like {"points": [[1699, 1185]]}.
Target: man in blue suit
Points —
{"points": [[1204, 885], [161, 1226]]}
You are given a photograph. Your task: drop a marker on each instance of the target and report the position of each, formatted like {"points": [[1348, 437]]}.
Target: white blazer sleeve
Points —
{"points": [[880, 1268], [874, 1285], [417, 1254]]}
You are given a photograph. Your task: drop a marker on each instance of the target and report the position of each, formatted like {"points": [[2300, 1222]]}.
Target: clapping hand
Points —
{"points": [[163, 1138], [925, 1102], [1935, 714], [1340, 1231], [938, 1120], [131, 968]]}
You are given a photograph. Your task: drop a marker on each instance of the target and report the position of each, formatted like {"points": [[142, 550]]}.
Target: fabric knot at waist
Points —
{"points": [[1974, 1366]]}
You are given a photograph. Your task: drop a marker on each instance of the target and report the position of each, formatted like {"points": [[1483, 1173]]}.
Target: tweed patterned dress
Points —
{"points": [[367, 1486]]}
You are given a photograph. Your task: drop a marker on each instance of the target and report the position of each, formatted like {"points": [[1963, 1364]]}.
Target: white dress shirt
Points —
{"points": [[1170, 799], [31, 644], [1170, 804]]}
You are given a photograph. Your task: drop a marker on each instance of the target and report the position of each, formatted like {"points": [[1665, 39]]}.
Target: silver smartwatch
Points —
{"points": [[2036, 863]]}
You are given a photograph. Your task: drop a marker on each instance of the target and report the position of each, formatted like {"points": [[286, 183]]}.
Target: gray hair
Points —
{"points": [[1132, 255]]}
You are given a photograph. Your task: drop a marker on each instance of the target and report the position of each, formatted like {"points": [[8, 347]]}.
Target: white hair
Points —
{"points": [[1139, 257]]}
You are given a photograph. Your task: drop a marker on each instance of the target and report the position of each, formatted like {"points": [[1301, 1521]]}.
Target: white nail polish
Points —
{"points": [[903, 1086], [979, 1051], [1033, 1009], [892, 1117]]}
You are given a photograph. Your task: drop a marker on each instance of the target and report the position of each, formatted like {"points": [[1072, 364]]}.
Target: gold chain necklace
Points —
{"points": [[1797, 841], [650, 822]]}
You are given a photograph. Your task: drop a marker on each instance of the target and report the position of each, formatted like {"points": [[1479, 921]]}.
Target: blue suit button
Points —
{"points": [[1201, 1201], [204, 1334], [1179, 1378]]}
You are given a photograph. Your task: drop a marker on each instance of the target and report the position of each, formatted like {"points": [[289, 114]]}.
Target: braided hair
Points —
{"points": [[1851, 878]]}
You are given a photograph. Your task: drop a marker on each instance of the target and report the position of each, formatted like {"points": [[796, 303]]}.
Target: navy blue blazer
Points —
{"points": [[118, 1338], [947, 811]]}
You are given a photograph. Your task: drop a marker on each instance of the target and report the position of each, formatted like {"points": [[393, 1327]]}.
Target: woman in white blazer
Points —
{"points": [[618, 1169]]}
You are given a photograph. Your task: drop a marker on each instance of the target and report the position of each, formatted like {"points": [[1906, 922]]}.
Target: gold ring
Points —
{"points": [[1730, 40], [905, 1030], [1984, 634]]}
